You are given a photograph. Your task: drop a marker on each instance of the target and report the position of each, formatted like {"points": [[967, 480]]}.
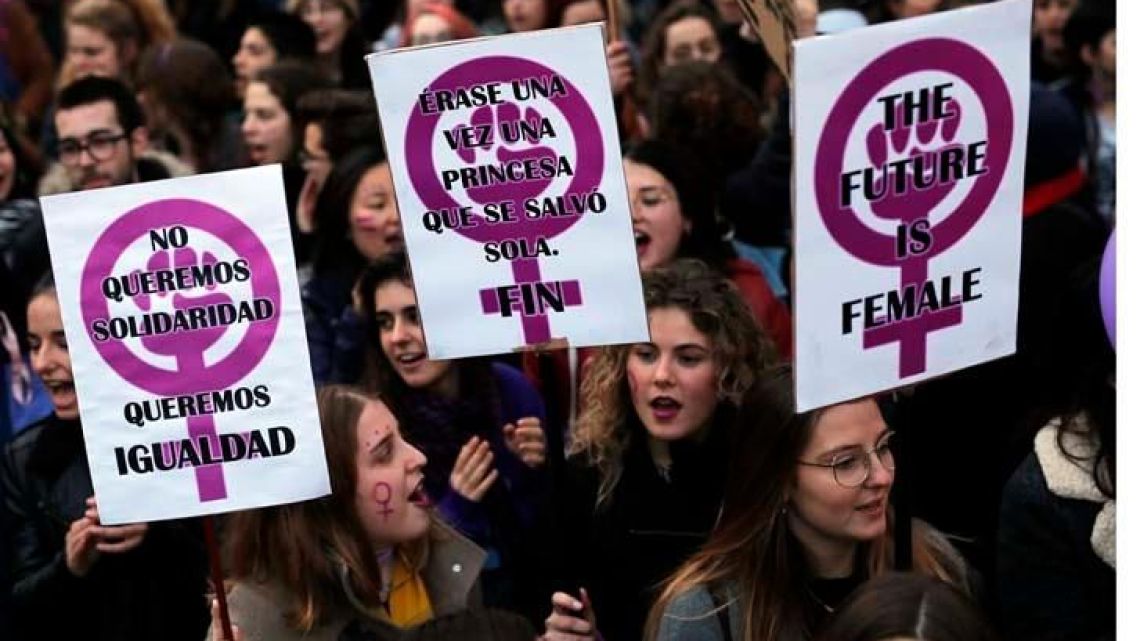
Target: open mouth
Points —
{"points": [[257, 153], [411, 359], [873, 507], [58, 387], [419, 497], [665, 408]]}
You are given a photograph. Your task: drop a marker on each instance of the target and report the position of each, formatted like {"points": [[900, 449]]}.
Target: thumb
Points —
{"points": [[509, 431]]}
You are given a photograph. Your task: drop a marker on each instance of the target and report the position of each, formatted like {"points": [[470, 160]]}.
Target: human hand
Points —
{"points": [[115, 539], [474, 472], [527, 441], [620, 65], [80, 546], [571, 619], [218, 630]]}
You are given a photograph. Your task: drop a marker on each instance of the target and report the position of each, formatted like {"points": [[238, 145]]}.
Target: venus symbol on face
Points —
{"points": [[382, 495]]}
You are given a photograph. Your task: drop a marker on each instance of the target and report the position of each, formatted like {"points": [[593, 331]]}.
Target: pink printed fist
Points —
{"points": [[924, 182], [506, 136], [180, 344]]}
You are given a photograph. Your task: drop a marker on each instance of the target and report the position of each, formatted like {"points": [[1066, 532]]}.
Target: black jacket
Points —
{"points": [[623, 550], [156, 591]]}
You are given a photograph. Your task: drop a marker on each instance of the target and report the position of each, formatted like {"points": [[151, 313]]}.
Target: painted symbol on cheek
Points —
{"points": [[382, 494]]}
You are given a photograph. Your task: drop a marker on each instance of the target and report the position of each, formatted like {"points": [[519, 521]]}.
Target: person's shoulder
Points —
{"points": [[694, 603], [260, 610], [693, 615], [24, 442]]}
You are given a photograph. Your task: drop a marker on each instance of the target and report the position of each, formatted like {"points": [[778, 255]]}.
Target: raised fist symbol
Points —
{"points": [[181, 344], [925, 141], [510, 138]]}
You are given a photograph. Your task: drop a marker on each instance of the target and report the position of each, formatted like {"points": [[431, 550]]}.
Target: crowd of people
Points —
{"points": [[666, 490]]}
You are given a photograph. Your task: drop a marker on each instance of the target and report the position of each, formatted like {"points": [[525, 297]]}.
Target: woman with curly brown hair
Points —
{"points": [[646, 474]]}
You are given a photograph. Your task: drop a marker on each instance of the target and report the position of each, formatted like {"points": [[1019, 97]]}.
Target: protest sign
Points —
{"points": [[508, 175], [183, 319], [909, 160], [775, 22]]}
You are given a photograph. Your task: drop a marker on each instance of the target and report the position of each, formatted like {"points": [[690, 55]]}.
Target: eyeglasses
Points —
{"points": [[650, 197], [100, 146], [851, 469]]}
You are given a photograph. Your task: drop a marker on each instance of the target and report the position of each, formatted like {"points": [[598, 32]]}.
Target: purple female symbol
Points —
{"points": [[191, 374], [983, 78], [587, 166]]}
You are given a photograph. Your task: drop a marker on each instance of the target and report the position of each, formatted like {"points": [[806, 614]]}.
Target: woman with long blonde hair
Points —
{"points": [[805, 521], [646, 474]]}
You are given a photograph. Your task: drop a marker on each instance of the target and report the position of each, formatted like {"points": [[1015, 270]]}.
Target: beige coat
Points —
{"points": [[451, 577]]}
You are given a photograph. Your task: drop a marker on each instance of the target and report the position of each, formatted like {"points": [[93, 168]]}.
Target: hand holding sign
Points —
{"points": [[115, 539], [80, 546]]}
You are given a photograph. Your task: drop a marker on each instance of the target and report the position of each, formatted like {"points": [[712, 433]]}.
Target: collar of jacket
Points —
{"points": [[1074, 480], [450, 574]]}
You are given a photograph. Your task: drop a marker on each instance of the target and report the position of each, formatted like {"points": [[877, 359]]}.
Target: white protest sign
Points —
{"points": [[183, 320], [508, 175], [909, 158]]}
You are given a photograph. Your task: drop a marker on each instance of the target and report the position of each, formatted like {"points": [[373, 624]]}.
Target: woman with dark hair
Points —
{"points": [[1056, 544], [133, 581], [528, 15], [340, 41], [181, 90], [18, 173], [356, 222], [896, 606], [805, 520], [482, 426], [372, 551], [268, 40], [646, 474], [334, 121], [684, 32], [673, 209], [272, 129], [1090, 34]]}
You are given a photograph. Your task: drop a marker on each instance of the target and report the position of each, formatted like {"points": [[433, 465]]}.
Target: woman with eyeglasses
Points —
{"points": [[806, 519], [646, 473]]}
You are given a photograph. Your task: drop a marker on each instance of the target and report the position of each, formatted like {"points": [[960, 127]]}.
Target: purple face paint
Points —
{"points": [[382, 495]]}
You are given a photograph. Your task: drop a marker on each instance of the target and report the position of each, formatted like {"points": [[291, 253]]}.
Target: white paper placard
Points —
{"points": [[909, 160], [183, 318], [508, 175]]}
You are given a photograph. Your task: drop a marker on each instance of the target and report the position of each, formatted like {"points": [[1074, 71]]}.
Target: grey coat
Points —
{"points": [[693, 616]]}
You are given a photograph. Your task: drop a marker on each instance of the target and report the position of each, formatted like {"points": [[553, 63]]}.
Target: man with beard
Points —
{"points": [[102, 137]]}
